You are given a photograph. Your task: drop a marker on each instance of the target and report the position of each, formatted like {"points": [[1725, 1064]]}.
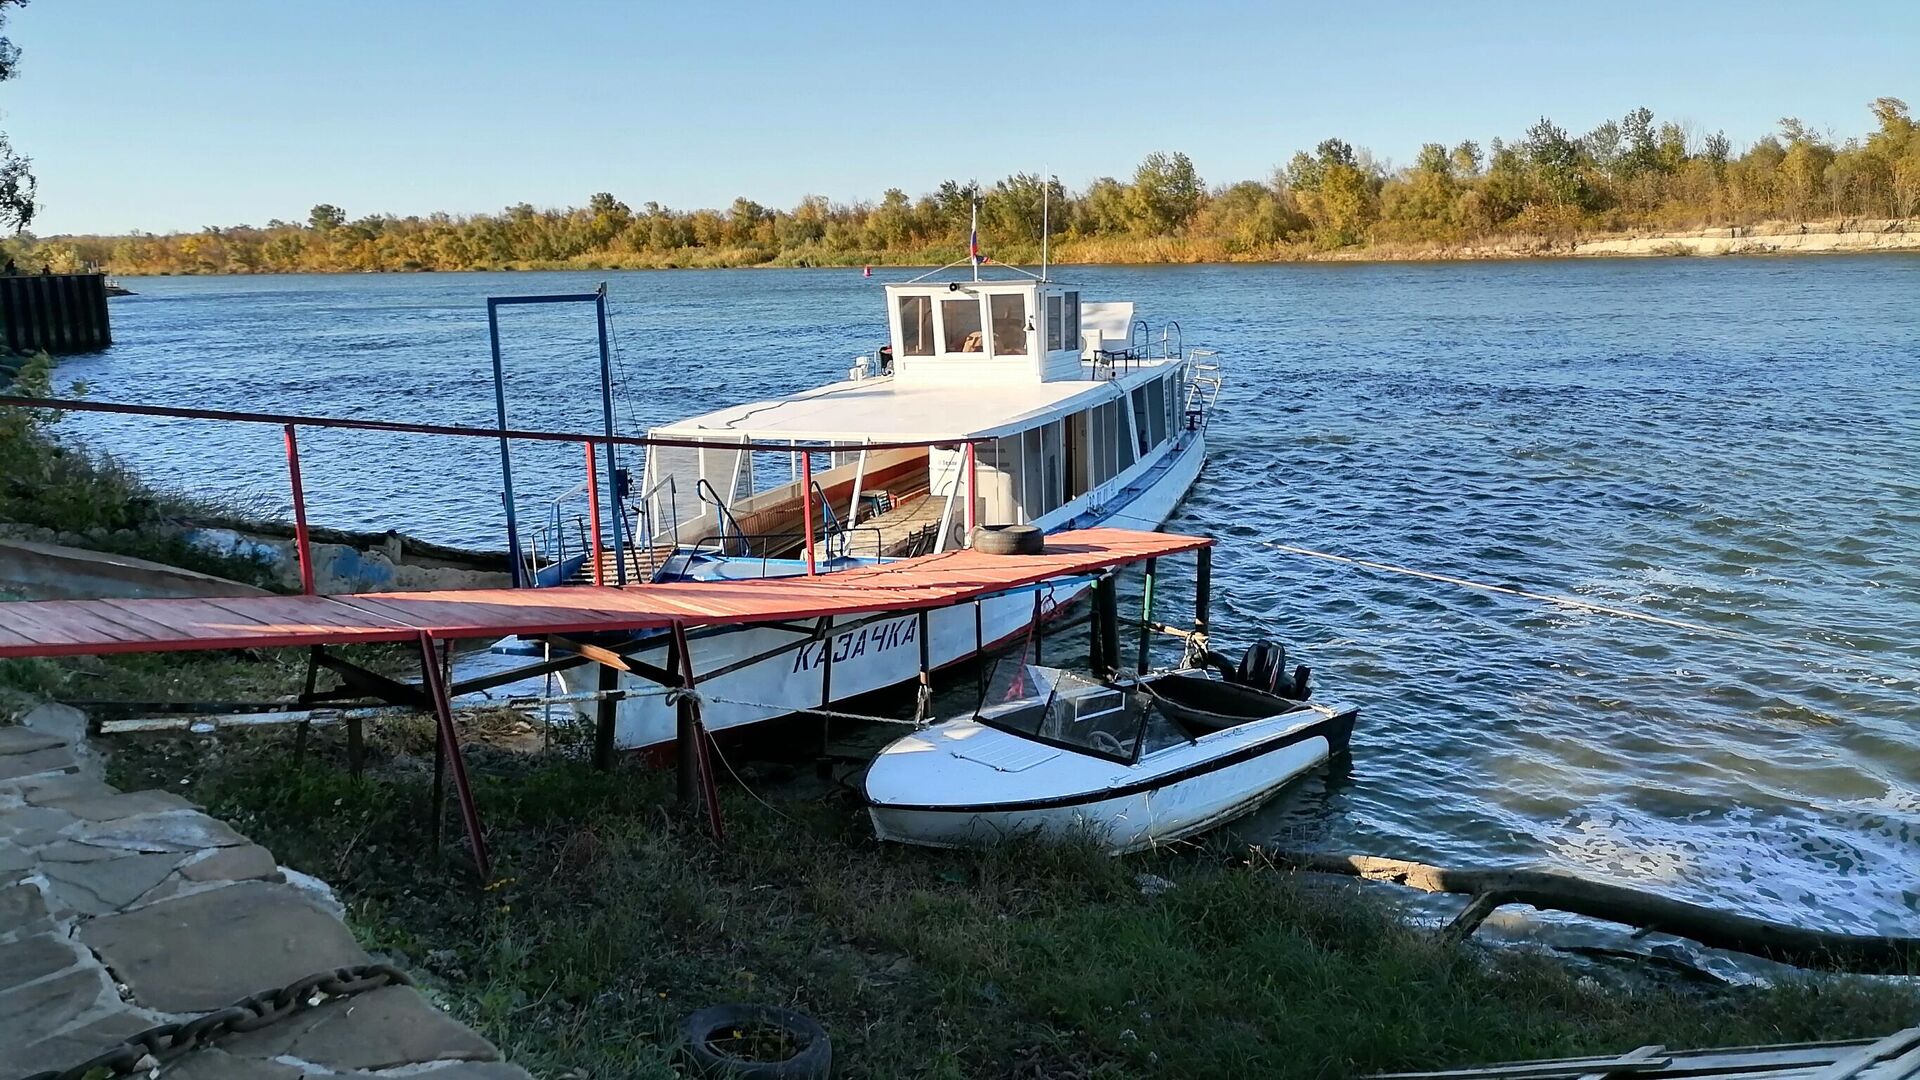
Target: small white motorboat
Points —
{"points": [[1129, 763]]}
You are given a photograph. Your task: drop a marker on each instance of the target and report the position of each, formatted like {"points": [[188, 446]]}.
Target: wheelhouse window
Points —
{"points": [[1070, 322], [1056, 322], [961, 318], [1009, 324], [916, 326]]}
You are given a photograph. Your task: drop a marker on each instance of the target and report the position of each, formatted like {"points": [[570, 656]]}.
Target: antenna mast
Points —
{"points": [[973, 235], [1046, 225]]}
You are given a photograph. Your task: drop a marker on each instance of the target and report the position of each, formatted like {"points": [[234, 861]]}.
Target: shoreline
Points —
{"points": [[1851, 237]]}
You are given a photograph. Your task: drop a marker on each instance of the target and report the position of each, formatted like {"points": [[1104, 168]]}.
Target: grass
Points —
{"points": [[611, 917]]}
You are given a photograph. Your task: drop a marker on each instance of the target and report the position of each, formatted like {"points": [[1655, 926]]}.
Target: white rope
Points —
{"points": [[1830, 651], [831, 714]]}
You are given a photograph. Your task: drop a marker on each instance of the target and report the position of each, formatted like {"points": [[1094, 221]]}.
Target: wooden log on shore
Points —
{"points": [[1864, 954]]}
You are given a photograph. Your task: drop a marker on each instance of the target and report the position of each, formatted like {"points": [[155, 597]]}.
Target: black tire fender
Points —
{"points": [[1009, 540], [813, 1061]]}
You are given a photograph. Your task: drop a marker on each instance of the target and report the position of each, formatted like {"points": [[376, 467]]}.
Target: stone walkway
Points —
{"points": [[122, 910]]}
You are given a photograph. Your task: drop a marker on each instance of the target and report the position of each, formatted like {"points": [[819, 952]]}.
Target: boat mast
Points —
{"points": [[1046, 191], [973, 235]]}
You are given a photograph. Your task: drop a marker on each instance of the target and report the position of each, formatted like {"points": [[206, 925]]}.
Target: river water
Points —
{"points": [[1734, 442]]}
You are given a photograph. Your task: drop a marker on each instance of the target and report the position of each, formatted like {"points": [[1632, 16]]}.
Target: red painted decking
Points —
{"points": [[77, 627]]}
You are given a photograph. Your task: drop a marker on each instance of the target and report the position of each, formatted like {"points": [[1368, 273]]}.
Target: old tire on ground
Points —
{"points": [[1009, 540], [812, 1060]]}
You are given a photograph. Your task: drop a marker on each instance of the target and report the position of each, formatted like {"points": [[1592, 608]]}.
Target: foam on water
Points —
{"points": [[1734, 442]]}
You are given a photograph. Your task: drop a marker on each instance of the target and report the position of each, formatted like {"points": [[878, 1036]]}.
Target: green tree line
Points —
{"points": [[1631, 173]]}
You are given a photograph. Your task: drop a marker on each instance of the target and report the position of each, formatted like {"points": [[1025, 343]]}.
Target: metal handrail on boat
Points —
{"points": [[1172, 328], [673, 504], [768, 542], [707, 494]]}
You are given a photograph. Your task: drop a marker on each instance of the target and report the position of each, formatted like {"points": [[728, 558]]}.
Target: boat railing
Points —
{"points": [[706, 493], [1179, 342], [714, 544], [549, 546], [649, 511]]}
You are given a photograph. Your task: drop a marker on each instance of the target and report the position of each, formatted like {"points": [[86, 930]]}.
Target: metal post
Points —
{"points": [[1203, 589], [436, 690], [606, 411], [806, 505], [606, 711], [1146, 613], [925, 697], [593, 521], [973, 490], [1096, 663], [694, 736], [506, 461], [687, 776], [1039, 621], [304, 549], [1109, 624]]}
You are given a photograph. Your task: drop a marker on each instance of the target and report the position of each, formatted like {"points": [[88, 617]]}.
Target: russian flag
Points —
{"points": [[973, 244]]}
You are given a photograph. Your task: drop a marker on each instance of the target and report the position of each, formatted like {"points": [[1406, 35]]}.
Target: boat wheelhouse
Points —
{"points": [[1032, 405]]}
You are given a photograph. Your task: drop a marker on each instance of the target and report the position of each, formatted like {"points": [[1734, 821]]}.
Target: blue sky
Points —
{"points": [[172, 115]]}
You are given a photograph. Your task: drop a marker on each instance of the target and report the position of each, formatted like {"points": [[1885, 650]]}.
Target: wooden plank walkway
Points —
{"points": [[82, 627]]}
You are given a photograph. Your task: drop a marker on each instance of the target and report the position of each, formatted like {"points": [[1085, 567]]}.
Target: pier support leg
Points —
{"points": [[436, 689], [1146, 613], [1203, 592], [806, 506], [305, 726], [1108, 625], [606, 710], [693, 737]]}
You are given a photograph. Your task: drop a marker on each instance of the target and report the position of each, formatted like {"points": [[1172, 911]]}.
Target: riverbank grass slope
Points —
{"points": [[612, 917]]}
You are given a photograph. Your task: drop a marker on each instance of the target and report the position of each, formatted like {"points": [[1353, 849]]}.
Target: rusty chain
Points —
{"points": [[159, 1045]]}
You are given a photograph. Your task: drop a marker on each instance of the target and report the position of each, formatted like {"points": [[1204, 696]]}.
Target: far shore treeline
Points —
{"points": [[1544, 188]]}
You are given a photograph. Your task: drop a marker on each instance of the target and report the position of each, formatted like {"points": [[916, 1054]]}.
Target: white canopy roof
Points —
{"points": [[882, 410]]}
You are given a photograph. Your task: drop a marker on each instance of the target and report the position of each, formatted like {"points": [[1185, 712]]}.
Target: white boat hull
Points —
{"points": [[758, 673], [936, 788]]}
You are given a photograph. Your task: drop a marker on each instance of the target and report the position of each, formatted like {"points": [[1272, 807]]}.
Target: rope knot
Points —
{"points": [[678, 694]]}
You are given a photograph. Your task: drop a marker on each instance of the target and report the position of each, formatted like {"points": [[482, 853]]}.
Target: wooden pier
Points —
{"points": [[58, 313]]}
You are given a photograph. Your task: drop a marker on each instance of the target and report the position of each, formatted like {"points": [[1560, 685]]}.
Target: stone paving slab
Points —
{"points": [[204, 951], [120, 911]]}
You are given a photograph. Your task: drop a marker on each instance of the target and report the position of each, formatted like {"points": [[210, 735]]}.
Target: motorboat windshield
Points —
{"points": [[1073, 712]]}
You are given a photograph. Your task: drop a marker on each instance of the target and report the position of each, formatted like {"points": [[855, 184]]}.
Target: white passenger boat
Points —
{"points": [[1126, 764], [1047, 410]]}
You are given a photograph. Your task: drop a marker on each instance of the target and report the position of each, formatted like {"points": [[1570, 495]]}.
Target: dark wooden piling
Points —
{"points": [[58, 313]]}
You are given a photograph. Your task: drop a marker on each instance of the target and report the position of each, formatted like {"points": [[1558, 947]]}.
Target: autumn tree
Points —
{"points": [[17, 184]]}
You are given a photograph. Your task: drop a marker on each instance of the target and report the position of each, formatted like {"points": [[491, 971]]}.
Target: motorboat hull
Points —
{"points": [[942, 788]]}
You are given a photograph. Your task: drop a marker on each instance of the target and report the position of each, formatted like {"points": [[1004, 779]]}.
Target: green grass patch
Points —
{"points": [[611, 917]]}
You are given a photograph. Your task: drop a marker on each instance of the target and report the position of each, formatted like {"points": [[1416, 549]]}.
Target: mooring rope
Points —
{"points": [[1830, 651]]}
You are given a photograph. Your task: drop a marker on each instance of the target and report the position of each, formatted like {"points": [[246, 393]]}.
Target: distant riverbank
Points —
{"points": [[1768, 238]]}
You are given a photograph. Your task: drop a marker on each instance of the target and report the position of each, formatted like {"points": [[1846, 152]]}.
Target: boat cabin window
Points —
{"points": [[1174, 404], [1141, 432], [916, 326], [1157, 411], [1056, 322], [1009, 324], [961, 317], [1070, 322]]}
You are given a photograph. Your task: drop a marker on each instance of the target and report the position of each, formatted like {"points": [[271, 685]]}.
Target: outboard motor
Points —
{"points": [[1263, 666], [1302, 687]]}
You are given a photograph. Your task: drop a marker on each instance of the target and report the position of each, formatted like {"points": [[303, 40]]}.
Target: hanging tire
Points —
{"points": [[742, 1041], [1009, 540]]}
